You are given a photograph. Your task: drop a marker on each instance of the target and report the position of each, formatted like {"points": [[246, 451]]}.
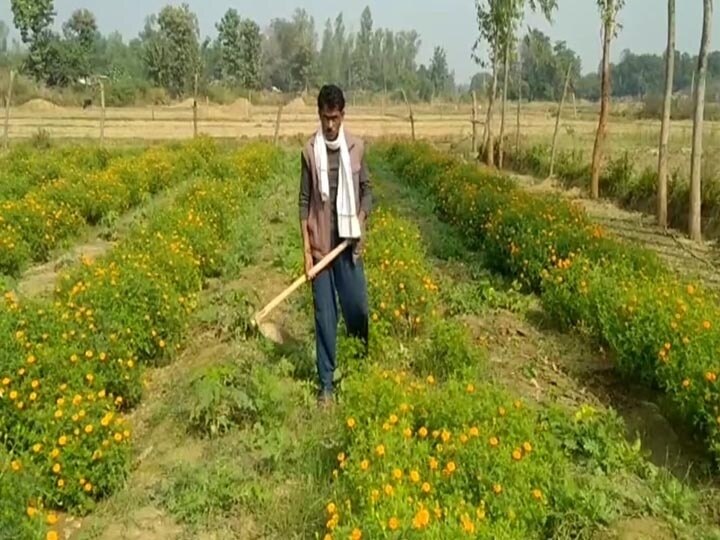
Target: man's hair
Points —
{"points": [[331, 97]]}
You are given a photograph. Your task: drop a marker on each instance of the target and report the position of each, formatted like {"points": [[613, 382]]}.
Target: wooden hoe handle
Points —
{"points": [[319, 267]]}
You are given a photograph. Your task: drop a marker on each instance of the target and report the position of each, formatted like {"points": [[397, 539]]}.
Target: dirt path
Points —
{"points": [[689, 259]]}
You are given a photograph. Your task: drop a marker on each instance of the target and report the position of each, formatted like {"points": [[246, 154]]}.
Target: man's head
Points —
{"points": [[331, 108]]}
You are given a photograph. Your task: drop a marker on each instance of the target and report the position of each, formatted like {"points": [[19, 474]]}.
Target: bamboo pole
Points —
{"points": [[102, 113], [474, 125], [410, 111], [195, 107], [8, 102], [276, 138]]}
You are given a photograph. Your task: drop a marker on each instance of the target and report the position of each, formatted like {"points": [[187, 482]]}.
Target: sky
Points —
{"points": [[448, 23]]}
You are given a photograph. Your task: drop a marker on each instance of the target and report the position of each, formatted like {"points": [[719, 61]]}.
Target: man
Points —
{"points": [[335, 200]]}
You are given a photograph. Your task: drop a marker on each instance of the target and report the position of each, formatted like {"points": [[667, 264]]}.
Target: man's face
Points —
{"points": [[331, 120]]}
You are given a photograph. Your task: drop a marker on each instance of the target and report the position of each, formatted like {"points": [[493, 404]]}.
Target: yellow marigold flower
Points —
{"points": [[16, 465], [445, 436], [422, 432], [341, 457], [13, 395], [58, 413], [393, 523], [31, 511], [527, 447], [51, 535], [414, 476], [474, 432], [375, 495], [502, 411], [463, 438], [393, 419], [537, 494], [389, 490], [118, 437], [470, 388], [328, 536], [421, 519], [35, 384], [56, 468], [52, 518], [407, 432], [425, 487], [350, 423], [497, 489], [467, 524], [6, 381], [89, 429], [397, 474], [517, 454], [364, 464], [356, 534], [430, 379], [55, 453], [62, 441], [380, 450], [331, 508], [37, 448], [450, 467], [434, 464], [494, 441], [386, 426]]}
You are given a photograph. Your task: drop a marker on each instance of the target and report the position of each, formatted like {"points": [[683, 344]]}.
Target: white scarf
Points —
{"points": [[348, 223]]}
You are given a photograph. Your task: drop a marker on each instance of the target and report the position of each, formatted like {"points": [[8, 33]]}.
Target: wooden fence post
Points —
{"points": [[410, 111], [557, 121], [8, 101], [102, 113], [276, 138]]}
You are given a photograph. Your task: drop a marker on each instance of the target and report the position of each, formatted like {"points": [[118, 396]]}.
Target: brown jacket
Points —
{"points": [[319, 213]]}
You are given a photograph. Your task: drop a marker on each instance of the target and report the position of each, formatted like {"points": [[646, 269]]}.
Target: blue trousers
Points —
{"points": [[346, 278]]}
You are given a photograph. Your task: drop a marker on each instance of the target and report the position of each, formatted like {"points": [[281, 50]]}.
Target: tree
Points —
{"points": [[4, 33], [609, 10], [439, 72], [497, 24], [81, 36], [665, 127], [290, 52], [33, 19], [251, 54], [697, 148], [172, 48], [326, 58], [230, 45], [361, 62]]}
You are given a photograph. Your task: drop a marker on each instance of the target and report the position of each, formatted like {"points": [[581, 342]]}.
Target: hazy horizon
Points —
{"points": [[448, 23]]}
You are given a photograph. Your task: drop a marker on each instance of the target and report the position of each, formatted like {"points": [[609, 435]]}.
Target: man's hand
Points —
{"points": [[359, 246], [309, 263]]}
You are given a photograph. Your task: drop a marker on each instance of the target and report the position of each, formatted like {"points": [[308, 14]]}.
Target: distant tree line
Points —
{"points": [[170, 52]]}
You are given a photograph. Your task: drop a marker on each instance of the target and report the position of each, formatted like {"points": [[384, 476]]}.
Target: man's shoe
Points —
{"points": [[325, 400]]}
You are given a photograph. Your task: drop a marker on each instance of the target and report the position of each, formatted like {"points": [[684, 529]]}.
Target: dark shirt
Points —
{"points": [[333, 176]]}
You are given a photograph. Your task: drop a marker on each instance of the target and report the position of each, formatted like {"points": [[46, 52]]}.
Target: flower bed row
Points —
{"points": [[430, 449], [662, 331], [25, 167], [70, 367], [54, 212]]}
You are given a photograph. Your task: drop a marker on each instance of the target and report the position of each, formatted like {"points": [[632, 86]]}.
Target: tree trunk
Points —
{"points": [[490, 142], [662, 188], [557, 120], [474, 151], [608, 31], [506, 72], [697, 149]]}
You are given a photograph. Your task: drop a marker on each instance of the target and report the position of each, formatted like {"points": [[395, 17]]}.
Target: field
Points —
{"points": [[536, 368]]}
